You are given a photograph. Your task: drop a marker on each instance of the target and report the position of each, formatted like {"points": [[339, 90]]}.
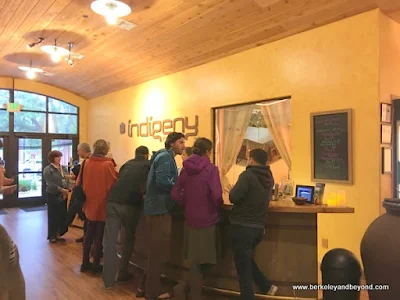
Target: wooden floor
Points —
{"points": [[52, 270]]}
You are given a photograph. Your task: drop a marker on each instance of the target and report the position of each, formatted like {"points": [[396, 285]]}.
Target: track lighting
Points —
{"points": [[69, 60], [31, 45]]}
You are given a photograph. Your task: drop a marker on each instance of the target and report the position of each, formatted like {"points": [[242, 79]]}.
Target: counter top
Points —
{"points": [[288, 206]]}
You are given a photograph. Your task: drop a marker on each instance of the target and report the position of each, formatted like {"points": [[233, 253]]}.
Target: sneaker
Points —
{"points": [[272, 291], [165, 295], [109, 287]]}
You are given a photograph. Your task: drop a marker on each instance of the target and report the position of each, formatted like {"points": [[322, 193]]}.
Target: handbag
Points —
{"points": [[78, 192]]}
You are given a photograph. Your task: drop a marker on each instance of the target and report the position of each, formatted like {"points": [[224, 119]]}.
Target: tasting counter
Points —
{"points": [[287, 254]]}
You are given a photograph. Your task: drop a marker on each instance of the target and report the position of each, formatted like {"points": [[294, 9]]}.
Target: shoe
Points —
{"points": [[165, 295], [80, 240], [97, 269], [125, 277], [109, 287], [272, 291], [86, 267], [53, 240], [59, 239]]}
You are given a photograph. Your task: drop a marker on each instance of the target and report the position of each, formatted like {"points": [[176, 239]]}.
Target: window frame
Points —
{"points": [[11, 119]]}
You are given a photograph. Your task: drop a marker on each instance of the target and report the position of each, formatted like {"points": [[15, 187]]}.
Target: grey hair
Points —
{"points": [[85, 147], [100, 147]]}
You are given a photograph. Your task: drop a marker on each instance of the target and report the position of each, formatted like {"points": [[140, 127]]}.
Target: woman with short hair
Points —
{"points": [[57, 188], [98, 175]]}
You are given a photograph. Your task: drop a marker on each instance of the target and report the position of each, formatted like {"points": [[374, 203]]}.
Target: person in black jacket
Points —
{"points": [[250, 198], [124, 205], [75, 208]]}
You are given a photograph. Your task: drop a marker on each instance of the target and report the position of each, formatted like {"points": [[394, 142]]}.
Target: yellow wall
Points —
{"points": [[331, 67], [37, 87], [389, 57]]}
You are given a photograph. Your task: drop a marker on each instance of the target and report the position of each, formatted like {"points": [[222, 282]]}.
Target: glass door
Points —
{"points": [[66, 147], [30, 168], [4, 199]]}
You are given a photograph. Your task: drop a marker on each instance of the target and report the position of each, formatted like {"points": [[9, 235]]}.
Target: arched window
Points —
{"points": [[39, 114]]}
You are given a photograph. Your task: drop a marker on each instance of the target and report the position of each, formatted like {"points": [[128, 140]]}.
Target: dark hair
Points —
{"points": [[141, 151], [172, 138], [1, 144], [52, 155], [259, 155], [188, 151], [201, 146]]}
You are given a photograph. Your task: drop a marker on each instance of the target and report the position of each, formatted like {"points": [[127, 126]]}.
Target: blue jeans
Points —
{"points": [[244, 241]]}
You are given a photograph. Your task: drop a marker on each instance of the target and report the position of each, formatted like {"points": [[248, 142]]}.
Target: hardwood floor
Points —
{"points": [[51, 271]]}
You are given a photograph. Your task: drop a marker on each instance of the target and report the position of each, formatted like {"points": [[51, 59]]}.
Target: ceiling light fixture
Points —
{"points": [[31, 45], [30, 72], [70, 61], [112, 10], [55, 51]]}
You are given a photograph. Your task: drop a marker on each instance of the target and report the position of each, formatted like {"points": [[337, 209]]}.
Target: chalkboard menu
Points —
{"points": [[331, 150]]}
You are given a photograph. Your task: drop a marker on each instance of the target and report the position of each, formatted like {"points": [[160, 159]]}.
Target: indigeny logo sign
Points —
{"points": [[159, 129]]}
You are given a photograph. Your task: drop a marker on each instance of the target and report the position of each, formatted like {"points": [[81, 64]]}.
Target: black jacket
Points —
{"points": [[131, 183], [250, 196]]}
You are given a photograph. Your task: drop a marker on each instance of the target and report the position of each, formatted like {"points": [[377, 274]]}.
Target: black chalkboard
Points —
{"points": [[331, 146]]}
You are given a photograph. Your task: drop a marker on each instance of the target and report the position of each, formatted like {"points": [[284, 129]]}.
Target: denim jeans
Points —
{"points": [[244, 241]]}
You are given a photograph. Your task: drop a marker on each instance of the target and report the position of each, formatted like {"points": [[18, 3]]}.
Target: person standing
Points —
{"points": [[57, 188], [124, 206], [157, 206], [12, 282], [199, 190], [98, 177], [188, 151], [74, 206], [250, 197]]}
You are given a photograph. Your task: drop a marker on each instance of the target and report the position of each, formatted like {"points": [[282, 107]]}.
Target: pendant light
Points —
{"points": [[112, 10], [30, 72], [55, 51]]}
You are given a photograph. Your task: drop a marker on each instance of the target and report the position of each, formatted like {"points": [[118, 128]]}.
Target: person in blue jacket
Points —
{"points": [[157, 207]]}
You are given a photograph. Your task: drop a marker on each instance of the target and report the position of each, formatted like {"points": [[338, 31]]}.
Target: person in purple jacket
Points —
{"points": [[199, 190]]}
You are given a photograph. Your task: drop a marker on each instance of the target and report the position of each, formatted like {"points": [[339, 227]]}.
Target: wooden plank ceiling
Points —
{"points": [[171, 35]]}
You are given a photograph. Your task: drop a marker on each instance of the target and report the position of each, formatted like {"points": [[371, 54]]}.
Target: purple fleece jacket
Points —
{"points": [[199, 190]]}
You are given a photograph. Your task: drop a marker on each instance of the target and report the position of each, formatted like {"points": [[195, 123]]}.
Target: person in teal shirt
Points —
{"points": [[157, 207]]}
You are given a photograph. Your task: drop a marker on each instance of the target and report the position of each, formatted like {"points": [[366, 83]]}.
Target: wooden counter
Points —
{"points": [[288, 206], [287, 255]]}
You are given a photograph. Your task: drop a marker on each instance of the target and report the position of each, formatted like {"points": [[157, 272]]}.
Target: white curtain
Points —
{"points": [[231, 129], [278, 118]]}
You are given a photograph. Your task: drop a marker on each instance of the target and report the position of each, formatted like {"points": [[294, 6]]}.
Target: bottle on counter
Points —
{"points": [[275, 192]]}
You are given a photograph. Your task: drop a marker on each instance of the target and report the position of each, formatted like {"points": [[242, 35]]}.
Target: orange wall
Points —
{"points": [[332, 67], [37, 87], [389, 84]]}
